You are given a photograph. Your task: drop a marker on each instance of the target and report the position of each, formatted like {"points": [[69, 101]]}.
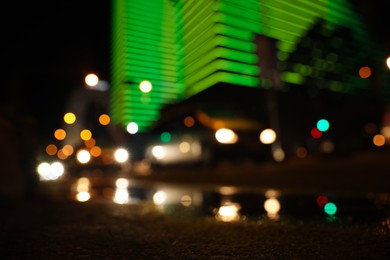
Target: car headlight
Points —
{"points": [[50, 171], [226, 136]]}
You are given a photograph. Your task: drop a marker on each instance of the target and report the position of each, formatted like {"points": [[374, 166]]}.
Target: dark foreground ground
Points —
{"points": [[102, 230], [44, 228]]}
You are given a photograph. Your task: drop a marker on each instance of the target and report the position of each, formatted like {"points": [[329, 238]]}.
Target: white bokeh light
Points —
{"points": [[132, 128]]}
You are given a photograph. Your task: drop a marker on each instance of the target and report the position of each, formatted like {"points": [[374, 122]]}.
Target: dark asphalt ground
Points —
{"points": [[103, 230], [44, 228]]}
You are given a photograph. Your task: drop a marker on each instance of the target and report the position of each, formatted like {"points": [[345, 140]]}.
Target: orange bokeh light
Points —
{"points": [[51, 149], [60, 134], [365, 72]]}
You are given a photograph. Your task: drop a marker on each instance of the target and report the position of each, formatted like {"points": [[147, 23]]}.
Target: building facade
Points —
{"points": [[183, 47]]}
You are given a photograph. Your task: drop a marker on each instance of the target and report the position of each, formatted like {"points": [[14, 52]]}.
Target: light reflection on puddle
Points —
{"points": [[232, 204]]}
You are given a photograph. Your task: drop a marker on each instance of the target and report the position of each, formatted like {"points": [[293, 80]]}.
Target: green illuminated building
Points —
{"points": [[186, 46]]}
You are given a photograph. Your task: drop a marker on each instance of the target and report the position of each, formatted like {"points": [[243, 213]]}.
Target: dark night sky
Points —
{"points": [[48, 48]]}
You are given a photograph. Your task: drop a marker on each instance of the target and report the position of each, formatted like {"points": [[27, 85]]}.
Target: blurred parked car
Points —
{"points": [[205, 136]]}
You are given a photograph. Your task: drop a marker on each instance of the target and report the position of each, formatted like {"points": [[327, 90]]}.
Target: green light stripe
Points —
{"points": [[149, 38], [233, 32], [133, 59], [149, 29], [297, 9], [202, 16], [193, 41], [220, 76], [155, 69], [239, 23], [154, 73], [141, 75], [191, 8], [150, 53], [219, 52], [220, 64], [293, 78], [223, 41], [238, 11], [147, 63]]}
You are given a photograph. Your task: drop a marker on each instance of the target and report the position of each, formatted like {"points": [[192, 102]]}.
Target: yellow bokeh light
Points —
{"points": [[104, 119], [60, 134], [85, 134], [69, 118]]}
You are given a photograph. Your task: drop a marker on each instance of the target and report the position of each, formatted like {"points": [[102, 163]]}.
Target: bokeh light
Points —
{"points": [[121, 155], [91, 80], [330, 208], [379, 140], [61, 155], [385, 131], [301, 152], [159, 197], [267, 136], [228, 212], [69, 118], [85, 134], [158, 152], [104, 119], [145, 86], [95, 151], [315, 133], [91, 142], [186, 200], [60, 134], [322, 200], [83, 156], [165, 137], [323, 125], [132, 128], [51, 149], [278, 154], [189, 121], [226, 136], [388, 62], [272, 207], [50, 171], [67, 150], [365, 72]]}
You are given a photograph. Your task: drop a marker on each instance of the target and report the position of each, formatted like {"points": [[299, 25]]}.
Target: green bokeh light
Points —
{"points": [[330, 208], [165, 137]]}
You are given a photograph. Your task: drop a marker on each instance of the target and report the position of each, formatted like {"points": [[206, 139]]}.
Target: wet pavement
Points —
{"points": [[333, 209]]}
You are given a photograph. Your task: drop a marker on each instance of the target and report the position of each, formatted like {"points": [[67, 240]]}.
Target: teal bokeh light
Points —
{"points": [[165, 137], [330, 208], [323, 125]]}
